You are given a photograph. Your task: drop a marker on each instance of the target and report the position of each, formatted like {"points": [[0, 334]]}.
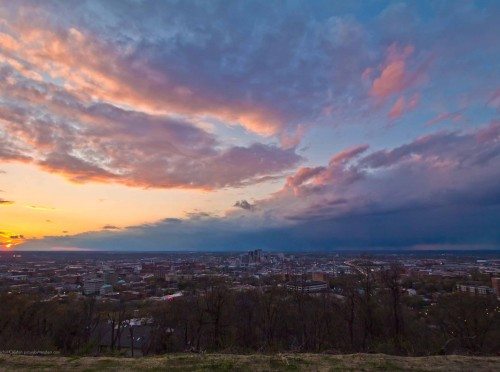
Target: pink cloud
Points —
{"points": [[367, 74], [308, 179], [348, 154], [289, 141], [413, 102], [302, 175], [391, 80], [402, 106], [453, 116], [491, 133], [494, 100], [394, 75], [397, 109]]}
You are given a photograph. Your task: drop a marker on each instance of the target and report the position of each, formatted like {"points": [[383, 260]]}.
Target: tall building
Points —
{"points": [[255, 256], [110, 277], [161, 272], [92, 286]]}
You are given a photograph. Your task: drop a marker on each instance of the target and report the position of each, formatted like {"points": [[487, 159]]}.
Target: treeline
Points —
{"points": [[373, 315]]}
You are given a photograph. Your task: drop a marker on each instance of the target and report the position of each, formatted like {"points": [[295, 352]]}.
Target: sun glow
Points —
{"points": [[9, 240]]}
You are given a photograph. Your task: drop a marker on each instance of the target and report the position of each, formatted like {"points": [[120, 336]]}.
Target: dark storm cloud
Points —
{"points": [[110, 227], [243, 204]]}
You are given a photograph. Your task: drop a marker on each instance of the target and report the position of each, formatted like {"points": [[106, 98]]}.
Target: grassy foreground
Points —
{"points": [[254, 363]]}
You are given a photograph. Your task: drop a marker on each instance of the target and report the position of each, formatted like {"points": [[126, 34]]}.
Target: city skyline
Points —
{"points": [[130, 125]]}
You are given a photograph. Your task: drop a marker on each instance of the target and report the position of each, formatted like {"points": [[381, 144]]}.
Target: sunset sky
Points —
{"points": [[234, 125]]}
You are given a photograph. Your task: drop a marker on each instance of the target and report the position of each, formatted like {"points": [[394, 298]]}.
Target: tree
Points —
{"points": [[391, 279]]}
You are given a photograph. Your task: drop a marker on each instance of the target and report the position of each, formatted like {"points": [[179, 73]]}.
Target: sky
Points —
{"points": [[236, 125]]}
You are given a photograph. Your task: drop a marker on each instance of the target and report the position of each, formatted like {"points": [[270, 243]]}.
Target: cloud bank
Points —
{"points": [[438, 190]]}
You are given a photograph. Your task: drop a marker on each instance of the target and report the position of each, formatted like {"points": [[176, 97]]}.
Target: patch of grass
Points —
{"points": [[38, 365], [283, 363], [105, 362], [73, 358], [252, 363], [219, 365], [299, 360], [386, 365], [102, 364]]}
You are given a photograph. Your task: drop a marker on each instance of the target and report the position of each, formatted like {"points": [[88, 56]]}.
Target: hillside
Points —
{"points": [[228, 362]]}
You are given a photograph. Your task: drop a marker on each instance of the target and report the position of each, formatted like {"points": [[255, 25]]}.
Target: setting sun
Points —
{"points": [[9, 239]]}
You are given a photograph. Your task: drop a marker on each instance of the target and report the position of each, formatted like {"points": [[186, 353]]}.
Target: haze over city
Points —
{"points": [[241, 125]]}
